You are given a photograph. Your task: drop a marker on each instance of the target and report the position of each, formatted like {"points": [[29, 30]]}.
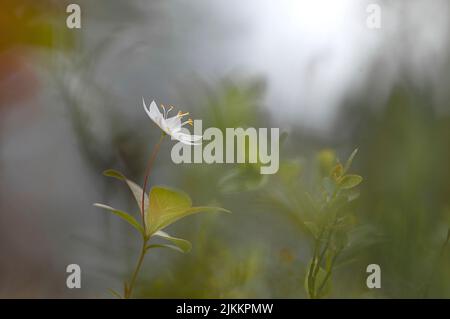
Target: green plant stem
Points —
{"points": [[327, 244], [128, 292], [147, 175], [329, 271], [311, 279], [319, 261], [129, 289], [315, 266]]}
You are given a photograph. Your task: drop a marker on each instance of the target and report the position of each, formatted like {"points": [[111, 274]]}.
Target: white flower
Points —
{"points": [[171, 126]]}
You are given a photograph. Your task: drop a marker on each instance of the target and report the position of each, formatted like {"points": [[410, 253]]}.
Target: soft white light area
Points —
{"points": [[310, 51], [316, 53], [313, 54]]}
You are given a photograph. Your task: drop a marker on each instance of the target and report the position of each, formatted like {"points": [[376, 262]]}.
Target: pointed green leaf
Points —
{"points": [[164, 246], [170, 218], [183, 244], [169, 205], [125, 216], [164, 201], [349, 161], [114, 173], [135, 189], [350, 181]]}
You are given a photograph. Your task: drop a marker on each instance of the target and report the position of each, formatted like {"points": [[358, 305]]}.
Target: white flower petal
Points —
{"points": [[173, 123], [189, 143], [187, 138], [195, 138], [146, 108], [171, 126], [154, 114]]}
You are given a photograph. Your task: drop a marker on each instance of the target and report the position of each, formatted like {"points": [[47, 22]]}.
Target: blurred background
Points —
{"points": [[70, 107]]}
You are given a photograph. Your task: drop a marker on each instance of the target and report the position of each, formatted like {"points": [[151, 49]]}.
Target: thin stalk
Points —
{"points": [[147, 174], [319, 262], [129, 289], [311, 279], [327, 244], [330, 270]]}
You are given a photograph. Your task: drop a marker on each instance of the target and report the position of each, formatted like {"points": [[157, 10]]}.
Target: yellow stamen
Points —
{"points": [[181, 114], [190, 122]]}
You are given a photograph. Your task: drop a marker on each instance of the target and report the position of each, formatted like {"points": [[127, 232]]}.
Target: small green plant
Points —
{"points": [[318, 204], [163, 206], [330, 227]]}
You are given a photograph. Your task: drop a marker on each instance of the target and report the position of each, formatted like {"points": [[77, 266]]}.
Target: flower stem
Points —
{"points": [[129, 289], [147, 174]]}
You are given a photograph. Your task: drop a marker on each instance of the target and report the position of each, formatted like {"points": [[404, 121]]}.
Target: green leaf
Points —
{"points": [[350, 181], [135, 189], [114, 173], [183, 244], [349, 161], [165, 201], [169, 205], [164, 246], [125, 216], [172, 217]]}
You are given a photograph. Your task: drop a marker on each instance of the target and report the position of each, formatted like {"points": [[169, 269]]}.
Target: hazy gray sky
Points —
{"points": [[312, 53]]}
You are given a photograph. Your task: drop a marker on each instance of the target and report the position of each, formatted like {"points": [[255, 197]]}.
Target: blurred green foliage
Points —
{"points": [[308, 231], [266, 249], [324, 234], [405, 156]]}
